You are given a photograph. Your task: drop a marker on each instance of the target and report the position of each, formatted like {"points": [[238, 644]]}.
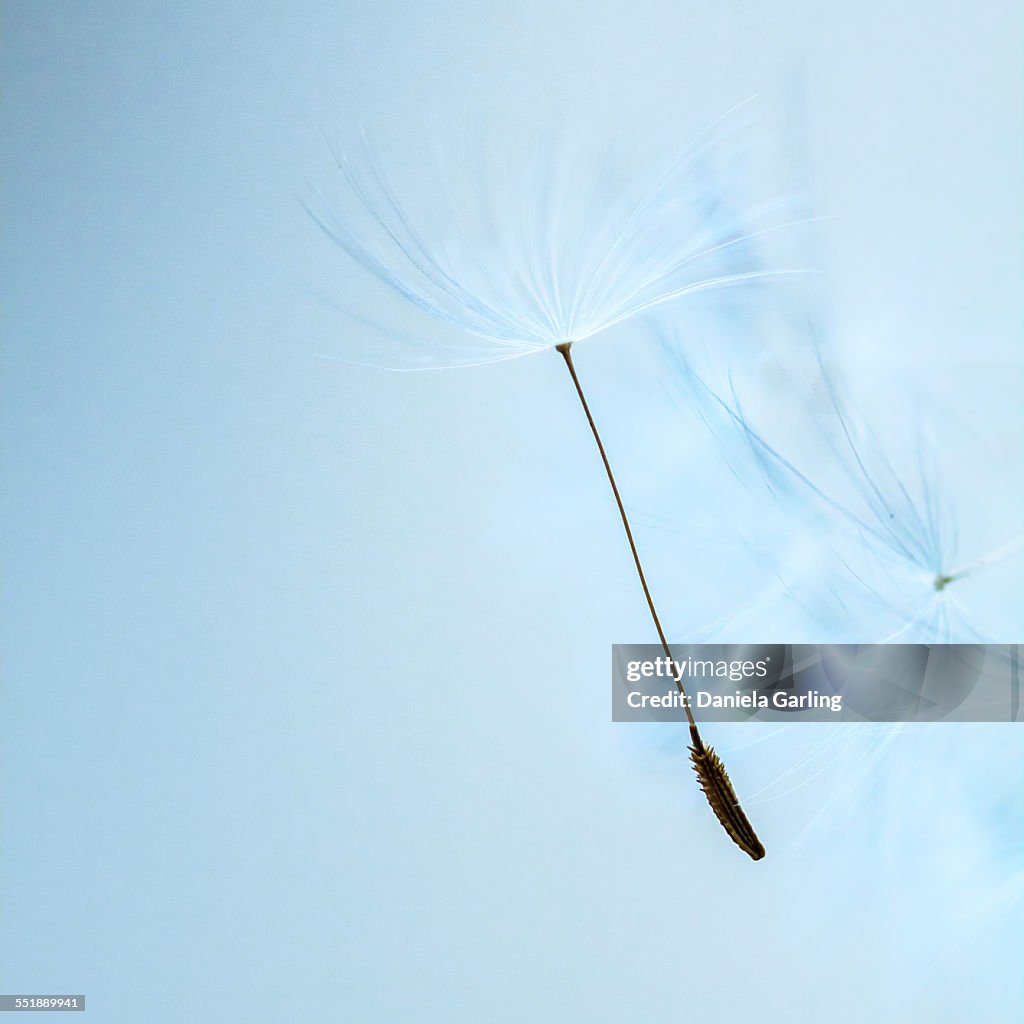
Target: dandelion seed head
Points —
{"points": [[548, 245]]}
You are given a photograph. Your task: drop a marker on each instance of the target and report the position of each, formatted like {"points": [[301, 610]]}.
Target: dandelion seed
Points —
{"points": [[892, 537], [548, 282]]}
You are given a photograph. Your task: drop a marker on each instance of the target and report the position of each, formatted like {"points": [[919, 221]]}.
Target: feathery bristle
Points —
{"points": [[714, 780]]}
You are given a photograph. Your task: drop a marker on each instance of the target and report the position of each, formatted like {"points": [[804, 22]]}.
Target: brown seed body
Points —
{"points": [[714, 780]]}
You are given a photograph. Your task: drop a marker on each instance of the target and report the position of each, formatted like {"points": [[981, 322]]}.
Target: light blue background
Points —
{"points": [[305, 667]]}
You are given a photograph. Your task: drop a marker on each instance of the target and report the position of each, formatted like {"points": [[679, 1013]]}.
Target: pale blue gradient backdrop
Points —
{"points": [[276, 632]]}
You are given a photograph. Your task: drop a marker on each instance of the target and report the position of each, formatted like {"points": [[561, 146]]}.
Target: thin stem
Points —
{"points": [[711, 773], [567, 356]]}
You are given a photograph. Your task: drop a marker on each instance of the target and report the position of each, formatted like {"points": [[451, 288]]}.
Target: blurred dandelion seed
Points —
{"points": [[898, 548], [548, 282]]}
